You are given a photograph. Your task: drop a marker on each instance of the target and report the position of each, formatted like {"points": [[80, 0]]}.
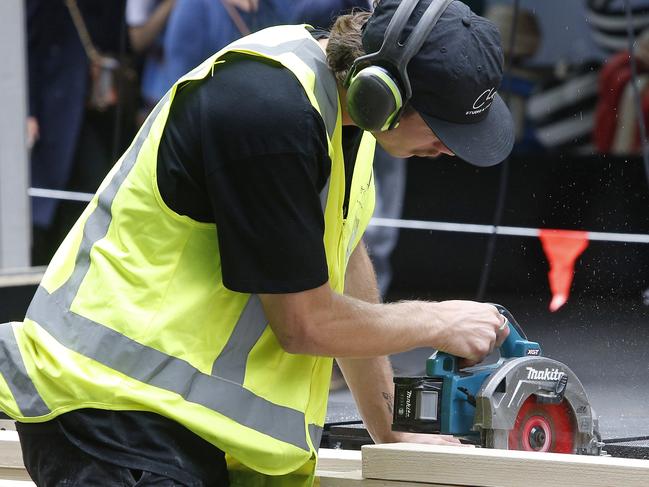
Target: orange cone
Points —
{"points": [[562, 247]]}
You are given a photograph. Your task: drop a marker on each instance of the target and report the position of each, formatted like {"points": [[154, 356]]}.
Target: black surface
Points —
{"points": [[14, 302], [629, 449], [601, 194], [346, 437]]}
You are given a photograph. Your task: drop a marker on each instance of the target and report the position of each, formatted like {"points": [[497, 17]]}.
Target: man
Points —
{"points": [[193, 309]]}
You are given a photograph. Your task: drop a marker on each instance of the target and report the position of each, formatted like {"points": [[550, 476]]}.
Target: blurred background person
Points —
{"points": [[146, 20], [199, 28], [71, 124]]}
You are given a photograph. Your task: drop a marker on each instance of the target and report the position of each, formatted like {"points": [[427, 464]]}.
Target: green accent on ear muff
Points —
{"points": [[374, 100]]}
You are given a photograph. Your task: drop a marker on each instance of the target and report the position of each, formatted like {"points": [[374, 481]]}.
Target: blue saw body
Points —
{"points": [[459, 386], [490, 405]]}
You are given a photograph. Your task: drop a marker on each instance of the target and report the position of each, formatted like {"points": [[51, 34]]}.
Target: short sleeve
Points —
{"points": [[266, 161]]}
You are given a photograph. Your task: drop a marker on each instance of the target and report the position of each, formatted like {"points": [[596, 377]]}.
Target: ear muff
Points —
{"points": [[374, 100]]}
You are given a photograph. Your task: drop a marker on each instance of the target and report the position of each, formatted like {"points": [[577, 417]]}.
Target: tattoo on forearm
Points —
{"points": [[389, 399]]}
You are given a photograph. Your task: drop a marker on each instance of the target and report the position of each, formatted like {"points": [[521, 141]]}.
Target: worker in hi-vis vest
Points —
{"points": [[183, 333]]}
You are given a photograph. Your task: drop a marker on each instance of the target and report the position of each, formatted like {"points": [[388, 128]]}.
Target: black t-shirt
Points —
{"points": [[252, 158], [244, 149]]}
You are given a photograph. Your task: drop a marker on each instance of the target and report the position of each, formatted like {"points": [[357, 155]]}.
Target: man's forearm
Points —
{"points": [[370, 379], [143, 36], [342, 326], [322, 322]]}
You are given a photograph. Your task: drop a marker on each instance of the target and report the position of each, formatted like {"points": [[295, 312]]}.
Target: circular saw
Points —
{"points": [[522, 402]]}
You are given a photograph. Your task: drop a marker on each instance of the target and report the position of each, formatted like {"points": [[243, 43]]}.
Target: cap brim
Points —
{"points": [[483, 143]]}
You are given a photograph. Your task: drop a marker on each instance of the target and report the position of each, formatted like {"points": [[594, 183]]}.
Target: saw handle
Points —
{"points": [[516, 345]]}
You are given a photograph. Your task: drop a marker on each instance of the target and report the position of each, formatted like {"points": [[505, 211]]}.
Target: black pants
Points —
{"points": [[53, 461]]}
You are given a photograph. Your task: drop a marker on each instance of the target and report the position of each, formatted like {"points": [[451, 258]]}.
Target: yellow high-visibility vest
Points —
{"points": [[132, 313]]}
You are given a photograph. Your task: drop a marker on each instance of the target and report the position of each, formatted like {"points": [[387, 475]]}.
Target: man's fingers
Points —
{"points": [[502, 335], [445, 440], [448, 437], [452, 441], [465, 362]]}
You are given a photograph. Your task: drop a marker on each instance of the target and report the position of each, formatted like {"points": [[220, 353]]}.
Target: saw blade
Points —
{"points": [[543, 427]]}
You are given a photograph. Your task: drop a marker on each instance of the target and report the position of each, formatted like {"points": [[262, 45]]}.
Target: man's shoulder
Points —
{"points": [[258, 97]]}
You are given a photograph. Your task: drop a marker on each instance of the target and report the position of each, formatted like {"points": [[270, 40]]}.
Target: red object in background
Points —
{"points": [[562, 247]]}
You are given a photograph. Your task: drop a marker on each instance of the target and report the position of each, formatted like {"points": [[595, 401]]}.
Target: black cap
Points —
{"points": [[454, 78]]}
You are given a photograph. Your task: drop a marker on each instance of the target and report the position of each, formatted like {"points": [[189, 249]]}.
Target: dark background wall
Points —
{"points": [[601, 194], [550, 191]]}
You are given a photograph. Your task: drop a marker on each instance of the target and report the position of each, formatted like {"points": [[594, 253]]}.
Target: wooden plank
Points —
{"points": [[12, 469], [13, 474], [342, 468], [339, 460], [355, 479], [7, 424], [481, 467], [11, 455]]}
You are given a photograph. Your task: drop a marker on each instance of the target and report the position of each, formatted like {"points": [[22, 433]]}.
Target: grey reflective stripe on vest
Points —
{"points": [[315, 432], [158, 369], [231, 362], [98, 222], [310, 53], [149, 365], [324, 195], [15, 375]]}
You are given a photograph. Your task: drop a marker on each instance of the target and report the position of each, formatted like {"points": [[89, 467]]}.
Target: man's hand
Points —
{"points": [[443, 440], [469, 329], [245, 5]]}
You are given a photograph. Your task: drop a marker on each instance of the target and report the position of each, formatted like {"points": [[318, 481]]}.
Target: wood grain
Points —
{"points": [[478, 467], [12, 469], [342, 468], [354, 479], [339, 460]]}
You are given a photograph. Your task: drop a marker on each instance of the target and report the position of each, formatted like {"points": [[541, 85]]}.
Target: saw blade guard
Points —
{"points": [[536, 404]]}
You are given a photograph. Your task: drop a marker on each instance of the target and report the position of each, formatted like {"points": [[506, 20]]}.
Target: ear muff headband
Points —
{"points": [[393, 54]]}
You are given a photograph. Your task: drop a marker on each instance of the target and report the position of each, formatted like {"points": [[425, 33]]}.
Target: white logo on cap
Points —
{"points": [[483, 101]]}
